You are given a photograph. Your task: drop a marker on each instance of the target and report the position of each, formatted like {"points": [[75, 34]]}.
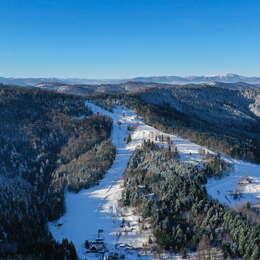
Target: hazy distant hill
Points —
{"points": [[227, 78]]}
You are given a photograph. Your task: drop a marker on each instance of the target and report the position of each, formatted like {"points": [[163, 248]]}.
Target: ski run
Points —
{"points": [[96, 211]]}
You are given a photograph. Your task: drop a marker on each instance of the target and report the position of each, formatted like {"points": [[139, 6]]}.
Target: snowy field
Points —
{"points": [[244, 181], [98, 207]]}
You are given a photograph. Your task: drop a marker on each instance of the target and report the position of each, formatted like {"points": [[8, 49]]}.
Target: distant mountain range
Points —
{"points": [[227, 78]]}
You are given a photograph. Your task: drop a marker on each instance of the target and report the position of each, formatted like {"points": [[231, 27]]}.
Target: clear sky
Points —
{"points": [[126, 38]]}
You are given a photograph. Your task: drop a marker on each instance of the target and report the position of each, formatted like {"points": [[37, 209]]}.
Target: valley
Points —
{"points": [[101, 206], [129, 130], [132, 174]]}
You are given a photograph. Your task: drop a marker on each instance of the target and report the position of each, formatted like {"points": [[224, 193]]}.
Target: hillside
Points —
{"points": [[184, 218], [42, 134], [220, 118]]}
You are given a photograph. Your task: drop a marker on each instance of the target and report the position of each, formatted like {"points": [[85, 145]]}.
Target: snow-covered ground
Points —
{"points": [[244, 181], [98, 207]]}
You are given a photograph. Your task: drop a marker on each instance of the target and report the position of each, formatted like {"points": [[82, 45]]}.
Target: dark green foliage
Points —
{"points": [[215, 166], [40, 132], [86, 170], [87, 133], [46, 248], [172, 193]]}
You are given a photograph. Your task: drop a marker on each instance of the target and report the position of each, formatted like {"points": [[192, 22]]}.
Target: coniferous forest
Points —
{"points": [[215, 117], [51, 143], [129, 129], [43, 135], [184, 217]]}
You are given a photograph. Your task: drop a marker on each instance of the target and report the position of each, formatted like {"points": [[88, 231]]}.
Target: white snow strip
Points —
{"points": [[97, 207]]}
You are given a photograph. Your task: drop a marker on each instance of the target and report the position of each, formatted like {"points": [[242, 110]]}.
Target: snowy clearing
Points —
{"points": [[232, 189], [98, 207]]}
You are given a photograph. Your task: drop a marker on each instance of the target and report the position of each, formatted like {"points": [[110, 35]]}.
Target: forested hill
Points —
{"points": [[221, 119], [42, 135], [184, 218]]}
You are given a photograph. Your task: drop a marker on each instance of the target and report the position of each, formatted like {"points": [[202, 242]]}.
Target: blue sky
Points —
{"points": [[126, 38]]}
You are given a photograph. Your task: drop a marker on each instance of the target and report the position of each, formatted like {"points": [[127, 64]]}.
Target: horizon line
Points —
{"points": [[129, 77]]}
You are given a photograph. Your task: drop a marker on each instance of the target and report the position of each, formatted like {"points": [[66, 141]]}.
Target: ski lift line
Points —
{"points": [[103, 200]]}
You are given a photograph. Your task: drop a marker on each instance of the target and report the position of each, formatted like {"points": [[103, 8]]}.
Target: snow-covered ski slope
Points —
{"points": [[98, 208]]}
